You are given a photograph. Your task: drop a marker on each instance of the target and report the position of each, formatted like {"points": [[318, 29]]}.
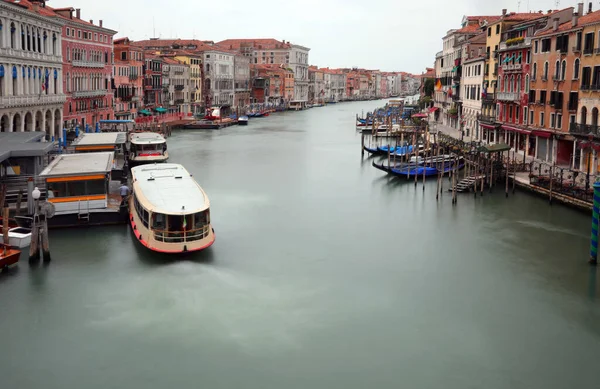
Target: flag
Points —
{"points": [[184, 222]]}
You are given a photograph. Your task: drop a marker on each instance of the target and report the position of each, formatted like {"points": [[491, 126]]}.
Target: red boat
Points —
{"points": [[8, 256]]}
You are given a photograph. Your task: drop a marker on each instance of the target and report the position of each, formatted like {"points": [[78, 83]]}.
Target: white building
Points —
{"points": [[299, 64], [241, 75], [472, 83], [218, 76], [178, 96], [31, 93]]}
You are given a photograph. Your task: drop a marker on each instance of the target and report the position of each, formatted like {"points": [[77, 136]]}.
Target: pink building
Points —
{"points": [[87, 69]]}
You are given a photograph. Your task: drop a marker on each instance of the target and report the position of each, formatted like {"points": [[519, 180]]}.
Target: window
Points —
{"points": [[576, 69], [545, 75], [532, 96], [527, 83], [534, 75], [552, 120], [557, 70], [510, 113], [525, 115], [528, 57], [541, 119], [535, 47], [558, 121], [79, 34], [543, 94], [531, 113], [489, 32], [96, 37], [588, 43], [545, 45], [517, 115], [586, 77], [596, 77], [497, 29], [563, 70]]}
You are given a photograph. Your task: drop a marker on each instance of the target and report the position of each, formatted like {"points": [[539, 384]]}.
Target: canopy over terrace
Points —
{"points": [[24, 152]]}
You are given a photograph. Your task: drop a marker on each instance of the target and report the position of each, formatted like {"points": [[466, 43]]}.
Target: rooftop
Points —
{"points": [[168, 188], [79, 164], [100, 138], [23, 144], [590, 18], [267, 44]]}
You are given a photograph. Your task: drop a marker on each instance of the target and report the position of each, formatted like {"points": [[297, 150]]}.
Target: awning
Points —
{"points": [[160, 110], [419, 115], [487, 126], [541, 134], [515, 129], [454, 68], [145, 112], [433, 109]]}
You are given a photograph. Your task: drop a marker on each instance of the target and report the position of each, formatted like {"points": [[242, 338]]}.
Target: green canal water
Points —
{"points": [[325, 274]]}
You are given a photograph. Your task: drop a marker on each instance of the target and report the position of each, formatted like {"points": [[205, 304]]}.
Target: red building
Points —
{"points": [[128, 79], [153, 88], [87, 69]]}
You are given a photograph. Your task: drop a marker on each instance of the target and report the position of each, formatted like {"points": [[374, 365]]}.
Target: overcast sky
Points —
{"points": [[390, 35]]}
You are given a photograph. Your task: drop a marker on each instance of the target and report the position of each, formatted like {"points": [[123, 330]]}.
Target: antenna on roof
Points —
{"points": [[153, 28]]}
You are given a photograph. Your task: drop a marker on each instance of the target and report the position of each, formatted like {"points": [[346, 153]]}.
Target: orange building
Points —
{"points": [[128, 79]]}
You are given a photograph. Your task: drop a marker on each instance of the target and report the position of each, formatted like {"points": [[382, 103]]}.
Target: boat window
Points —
{"points": [[141, 212], [201, 219], [158, 221], [77, 188], [95, 187]]}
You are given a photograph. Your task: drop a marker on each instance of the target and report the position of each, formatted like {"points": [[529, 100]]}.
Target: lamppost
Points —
{"points": [[34, 251]]}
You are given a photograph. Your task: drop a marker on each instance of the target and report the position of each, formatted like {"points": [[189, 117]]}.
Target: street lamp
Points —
{"points": [[36, 193]]}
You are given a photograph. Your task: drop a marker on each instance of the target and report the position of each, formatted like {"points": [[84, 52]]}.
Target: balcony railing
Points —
{"points": [[584, 129], [88, 64], [179, 101], [486, 118], [14, 53], [89, 93], [508, 96], [577, 49], [588, 50], [179, 87], [489, 98], [557, 78], [15, 101], [133, 76], [593, 87], [455, 97], [544, 78], [511, 67]]}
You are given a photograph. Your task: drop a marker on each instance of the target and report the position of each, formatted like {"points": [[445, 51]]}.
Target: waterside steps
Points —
{"points": [[467, 183]]}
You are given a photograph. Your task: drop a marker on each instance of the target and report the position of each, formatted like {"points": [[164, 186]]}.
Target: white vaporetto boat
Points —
{"points": [[147, 147], [168, 210]]}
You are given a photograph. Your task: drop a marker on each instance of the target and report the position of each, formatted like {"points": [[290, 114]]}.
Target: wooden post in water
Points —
{"points": [[5, 227], [427, 154], [515, 170], [34, 248], [416, 157], [483, 173], [491, 172], [362, 143], [45, 240], [551, 181], [507, 171]]}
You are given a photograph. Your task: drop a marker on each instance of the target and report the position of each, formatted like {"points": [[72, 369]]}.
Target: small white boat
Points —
{"points": [[18, 237]]}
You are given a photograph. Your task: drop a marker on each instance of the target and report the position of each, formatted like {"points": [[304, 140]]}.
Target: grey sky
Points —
{"points": [[390, 35]]}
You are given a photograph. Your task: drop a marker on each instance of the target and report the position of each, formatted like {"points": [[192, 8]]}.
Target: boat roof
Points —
{"points": [[116, 121], [147, 138], [79, 164], [23, 144], [168, 188], [100, 138]]}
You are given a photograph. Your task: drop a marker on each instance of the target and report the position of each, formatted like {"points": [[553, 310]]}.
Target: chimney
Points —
{"points": [[590, 7], [91, 21], [100, 22], [504, 12], [580, 9], [574, 20], [78, 13], [555, 24], [35, 6]]}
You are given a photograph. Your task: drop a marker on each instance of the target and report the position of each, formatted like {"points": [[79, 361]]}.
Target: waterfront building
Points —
{"points": [[219, 65], [472, 84], [241, 74], [316, 86], [585, 128], [178, 93], [31, 90], [87, 67], [338, 85], [272, 51], [394, 83], [554, 87], [128, 77], [153, 86], [272, 84]]}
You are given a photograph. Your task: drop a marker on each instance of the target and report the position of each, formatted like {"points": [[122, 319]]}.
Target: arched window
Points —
{"points": [[545, 75], [534, 75], [518, 88], [594, 122], [557, 70], [54, 49], [583, 119], [527, 83], [576, 69], [563, 70], [13, 38], [512, 83]]}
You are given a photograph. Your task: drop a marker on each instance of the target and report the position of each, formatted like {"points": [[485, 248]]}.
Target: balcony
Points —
{"points": [[178, 87], [456, 78], [593, 87], [544, 78], [577, 49], [456, 97], [512, 67], [87, 64], [588, 51], [133, 77], [508, 96], [19, 101], [179, 101], [89, 93], [584, 129], [489, 98], [17, 54], [486, 118]]}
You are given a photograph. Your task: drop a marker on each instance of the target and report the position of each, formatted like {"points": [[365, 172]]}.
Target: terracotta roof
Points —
{"points": [[171, 61], [267, 44], [519, 17], [479, 38], [51, 12], [183, 44], [590, 18]]}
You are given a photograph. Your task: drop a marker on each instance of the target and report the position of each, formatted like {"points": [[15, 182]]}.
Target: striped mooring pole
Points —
{"points": [[595, 216]]}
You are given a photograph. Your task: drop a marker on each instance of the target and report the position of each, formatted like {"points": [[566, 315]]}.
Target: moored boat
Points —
{"points": [[18, 237], [243, 120], [168, 210], [147, 147], [8, 256]]}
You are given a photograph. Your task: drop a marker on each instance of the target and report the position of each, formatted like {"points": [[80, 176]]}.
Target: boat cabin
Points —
{"points": [[100, 141], [79, 182], [147, 147]]}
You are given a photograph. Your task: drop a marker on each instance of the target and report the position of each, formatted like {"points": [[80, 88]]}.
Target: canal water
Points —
{"points": [[325, 274]]}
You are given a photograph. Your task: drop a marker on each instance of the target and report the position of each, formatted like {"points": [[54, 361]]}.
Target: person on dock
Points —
{"points": [[125, 191]]}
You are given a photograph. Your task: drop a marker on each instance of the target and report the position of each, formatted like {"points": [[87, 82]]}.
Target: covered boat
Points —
{"points": [[147, 147]]}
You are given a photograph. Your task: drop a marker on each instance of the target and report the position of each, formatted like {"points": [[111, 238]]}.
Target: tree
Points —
{"points": [[429, 86], [425, 101]]}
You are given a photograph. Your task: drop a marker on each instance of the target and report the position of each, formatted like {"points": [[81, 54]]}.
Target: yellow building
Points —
{"points": [[195, 62]]}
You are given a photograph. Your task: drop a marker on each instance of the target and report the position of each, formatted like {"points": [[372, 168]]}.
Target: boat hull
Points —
{"points": [[18, 237], [10, 258]]}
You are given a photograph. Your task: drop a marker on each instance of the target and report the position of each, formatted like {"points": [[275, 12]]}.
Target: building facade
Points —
{"points": [[128, 77], [472, 84], [241, 75], [153, 85], [178, 94], [31, 93], [87, 67]]}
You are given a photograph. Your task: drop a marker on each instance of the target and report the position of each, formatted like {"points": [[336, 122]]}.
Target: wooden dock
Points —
{"points": [[467, 183]]}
